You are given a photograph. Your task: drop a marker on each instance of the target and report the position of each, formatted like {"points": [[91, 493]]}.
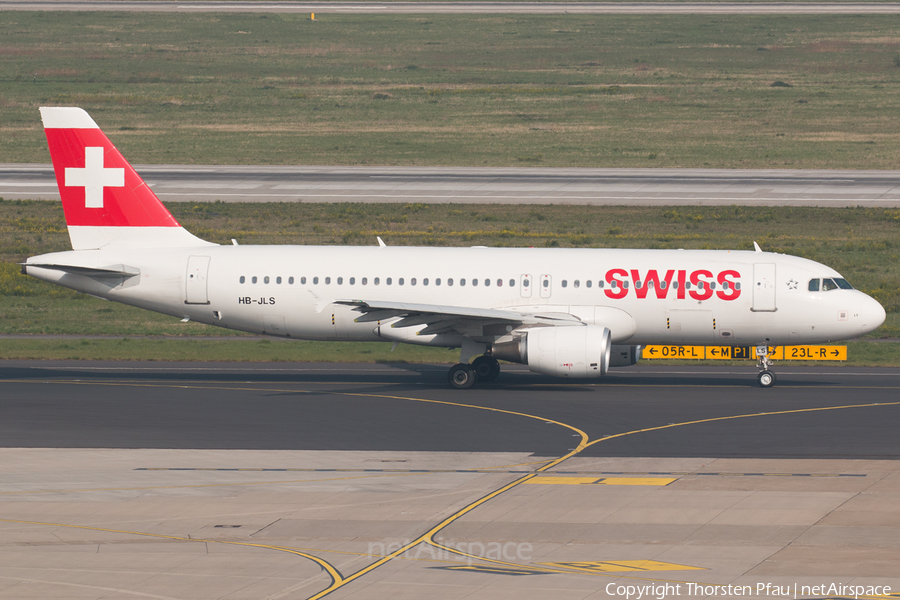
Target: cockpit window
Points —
{"points": [[828, 285], [842, 283], [813, 285]]}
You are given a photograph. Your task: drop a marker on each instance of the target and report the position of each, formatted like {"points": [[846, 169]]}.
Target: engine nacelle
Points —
{"points": [[568, 351], [624, 356]]}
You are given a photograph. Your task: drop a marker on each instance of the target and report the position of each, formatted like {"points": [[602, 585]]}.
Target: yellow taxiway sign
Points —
{"points": [[744, 352]]}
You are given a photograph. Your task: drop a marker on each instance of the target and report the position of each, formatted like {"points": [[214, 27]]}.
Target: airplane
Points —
{"points": [[563, 312]]}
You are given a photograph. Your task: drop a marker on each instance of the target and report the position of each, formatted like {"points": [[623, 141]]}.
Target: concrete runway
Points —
{"points": [[597, 187], [368, 7], [204, 480]]}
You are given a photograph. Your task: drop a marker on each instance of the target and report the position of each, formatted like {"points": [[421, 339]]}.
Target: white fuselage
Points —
{"points": [[642, 296]]}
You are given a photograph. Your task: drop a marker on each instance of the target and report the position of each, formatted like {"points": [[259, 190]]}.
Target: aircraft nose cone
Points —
{"points": [[872, 314]]}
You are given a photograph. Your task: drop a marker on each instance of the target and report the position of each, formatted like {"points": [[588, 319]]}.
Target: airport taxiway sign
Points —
{"points": [[744, 352]]}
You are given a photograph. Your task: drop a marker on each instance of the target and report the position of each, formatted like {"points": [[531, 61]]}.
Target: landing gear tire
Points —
{"points": [[766, 379], [461, 377], [486, 368]]}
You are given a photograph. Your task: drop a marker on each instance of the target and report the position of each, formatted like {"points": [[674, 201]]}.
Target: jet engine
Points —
{"points": [[569, 351]]}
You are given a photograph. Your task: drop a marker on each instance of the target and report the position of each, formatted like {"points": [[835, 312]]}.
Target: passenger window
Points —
{"points": [[737, 285], [576, 283], [687, 285], [353, 281], [500, 283], [462, 281], [400, 281], [625, 284], [278, 279], [674, 285], [302, 280], [266, 279], [388, 281], [546, 283], [526, 282], [449, 281], [253, 280], [662, 285], [412, 281], [340, 281], [377, 280], [475, 282], [588, 283], [315, 281], [425, 281], [327, 280], [487, 282], [512, 283], [600, 284], [828, 285], [243, 279], [813, 285], [613, 284], [365, 280], [437, 281], [564, 283], [637, 284]]}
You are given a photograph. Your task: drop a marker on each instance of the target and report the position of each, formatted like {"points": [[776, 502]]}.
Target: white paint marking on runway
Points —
{"points": [[489, 198]]}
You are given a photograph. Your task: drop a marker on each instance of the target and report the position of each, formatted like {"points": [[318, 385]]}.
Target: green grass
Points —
{"points": [[231, 350], [563, 90]]}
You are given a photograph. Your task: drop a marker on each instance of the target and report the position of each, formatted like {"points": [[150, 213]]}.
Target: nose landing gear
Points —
{"points": [[766, 377]]}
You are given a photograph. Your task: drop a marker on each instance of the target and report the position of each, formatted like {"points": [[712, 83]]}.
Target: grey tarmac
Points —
{"points": [[369, 7], [481, 185], [206, 480]]}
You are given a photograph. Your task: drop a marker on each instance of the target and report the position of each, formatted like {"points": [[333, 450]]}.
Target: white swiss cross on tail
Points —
{"points": [[94, 177]]}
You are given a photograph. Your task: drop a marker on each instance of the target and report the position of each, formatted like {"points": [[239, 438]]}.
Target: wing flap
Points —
{"points": [[438, 318]]}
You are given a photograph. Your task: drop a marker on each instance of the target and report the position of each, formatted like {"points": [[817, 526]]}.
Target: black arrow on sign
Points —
{"points": [[652, 351]]}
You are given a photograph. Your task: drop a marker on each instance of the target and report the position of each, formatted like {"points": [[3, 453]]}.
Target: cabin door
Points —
{"points": [[764, 287], [195, 286]]}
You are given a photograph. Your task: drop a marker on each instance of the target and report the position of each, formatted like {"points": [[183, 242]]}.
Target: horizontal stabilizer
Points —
{"points": [[110, 271]]}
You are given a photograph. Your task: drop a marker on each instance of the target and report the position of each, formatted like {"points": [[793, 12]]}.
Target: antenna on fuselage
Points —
{"points": [[756, 247]]}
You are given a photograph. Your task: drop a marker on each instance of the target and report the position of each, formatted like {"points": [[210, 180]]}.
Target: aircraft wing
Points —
{"points": [[439, 318]]}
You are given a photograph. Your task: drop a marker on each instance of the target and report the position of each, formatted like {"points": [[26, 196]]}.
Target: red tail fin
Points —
{"points": [[105, 201]]}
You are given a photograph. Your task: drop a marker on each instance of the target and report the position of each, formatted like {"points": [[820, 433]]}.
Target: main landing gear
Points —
{"points": [[464, 376], [766, 378]]}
